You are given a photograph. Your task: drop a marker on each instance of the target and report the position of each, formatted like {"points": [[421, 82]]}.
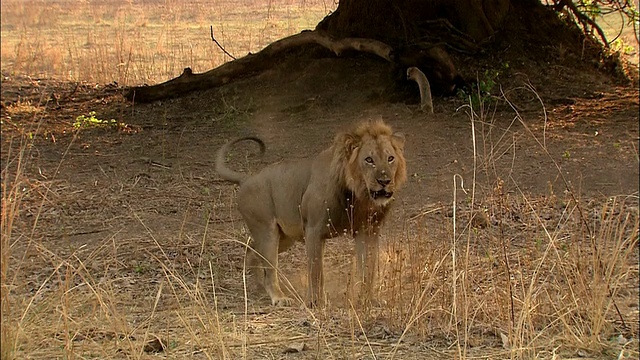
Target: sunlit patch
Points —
{"points": [[23, 108]]}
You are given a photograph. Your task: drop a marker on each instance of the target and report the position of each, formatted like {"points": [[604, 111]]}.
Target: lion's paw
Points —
{"points": [[282, 301]]}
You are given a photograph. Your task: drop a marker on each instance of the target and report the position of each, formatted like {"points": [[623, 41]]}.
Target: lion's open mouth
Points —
{"points": [[381, 194]]}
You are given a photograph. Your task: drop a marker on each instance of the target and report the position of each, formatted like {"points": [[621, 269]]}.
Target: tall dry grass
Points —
{"points": [[141, 42], [11, 196], [550, 276], [541, 277]]}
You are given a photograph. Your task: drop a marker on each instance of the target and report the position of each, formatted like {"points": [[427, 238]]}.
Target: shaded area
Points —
{"points": [[421, 34]]}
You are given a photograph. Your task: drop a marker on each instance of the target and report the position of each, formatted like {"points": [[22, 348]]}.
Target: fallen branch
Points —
{"points": [[253, 63]]}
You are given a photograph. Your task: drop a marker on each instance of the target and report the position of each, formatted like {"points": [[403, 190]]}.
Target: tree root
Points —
{"points": [[253, 63], [426, 102], [584, 20]]}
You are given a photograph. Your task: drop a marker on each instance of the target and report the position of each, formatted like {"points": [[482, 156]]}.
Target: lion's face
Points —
{"points": [[381, 165], [376, 165]]}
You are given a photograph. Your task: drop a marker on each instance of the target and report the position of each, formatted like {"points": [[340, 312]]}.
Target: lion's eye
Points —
{"points": [[368, 160], [390, 159]]}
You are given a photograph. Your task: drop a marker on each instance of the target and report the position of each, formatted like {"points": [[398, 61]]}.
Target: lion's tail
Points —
{"points": [[221, 167]]}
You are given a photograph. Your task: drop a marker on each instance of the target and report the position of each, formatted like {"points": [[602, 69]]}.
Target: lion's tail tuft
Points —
{"points": [[221, 167]]}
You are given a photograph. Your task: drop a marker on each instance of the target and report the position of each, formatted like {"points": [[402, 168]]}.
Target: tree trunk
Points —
{"points": [[407, 33], [399, 22]]}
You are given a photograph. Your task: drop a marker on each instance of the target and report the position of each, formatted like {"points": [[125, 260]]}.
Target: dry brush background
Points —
{"points": [[516, 236]]}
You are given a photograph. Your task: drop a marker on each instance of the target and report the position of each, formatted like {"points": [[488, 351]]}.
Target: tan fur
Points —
{"points": [[346, 189]]}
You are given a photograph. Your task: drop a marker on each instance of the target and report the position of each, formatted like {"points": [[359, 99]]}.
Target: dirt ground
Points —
{"points": [[136, 213]]}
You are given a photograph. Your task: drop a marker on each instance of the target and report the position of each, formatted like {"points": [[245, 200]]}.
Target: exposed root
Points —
{"points": [[426, 103]]}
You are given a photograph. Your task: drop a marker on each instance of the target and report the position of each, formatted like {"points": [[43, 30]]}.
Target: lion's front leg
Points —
{"points": [[367, 247], [315, 255]]}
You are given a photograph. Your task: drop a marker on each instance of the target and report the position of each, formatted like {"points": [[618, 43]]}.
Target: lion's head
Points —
{"points": [[370, 162]]}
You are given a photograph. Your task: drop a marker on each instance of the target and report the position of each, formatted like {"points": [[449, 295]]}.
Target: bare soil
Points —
{"points": [[140, 205]]}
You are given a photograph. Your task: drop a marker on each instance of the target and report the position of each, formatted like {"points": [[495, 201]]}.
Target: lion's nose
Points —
{"points": [[384, 181]]}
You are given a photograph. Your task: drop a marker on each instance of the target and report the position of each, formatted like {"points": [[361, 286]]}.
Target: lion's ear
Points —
{"points": [[350, 142], [397, 139]]}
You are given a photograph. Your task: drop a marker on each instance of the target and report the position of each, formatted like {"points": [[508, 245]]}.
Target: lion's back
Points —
{"points": [[276, 191]]}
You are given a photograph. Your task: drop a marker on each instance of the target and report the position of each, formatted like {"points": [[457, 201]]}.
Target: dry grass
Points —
{"points": [[498, 273], [141, 42], [544, 277]]}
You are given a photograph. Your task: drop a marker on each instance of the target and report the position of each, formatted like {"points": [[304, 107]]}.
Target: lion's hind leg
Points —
{"points": [[264, 260]]}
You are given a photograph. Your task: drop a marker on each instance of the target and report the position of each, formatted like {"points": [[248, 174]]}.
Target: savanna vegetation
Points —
{"points": [[516, 235]]}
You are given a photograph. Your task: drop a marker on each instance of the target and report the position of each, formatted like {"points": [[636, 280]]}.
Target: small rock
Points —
{"points": [[480, 220], [582, 353], [505, 341], [295, 348], [154, 346]]}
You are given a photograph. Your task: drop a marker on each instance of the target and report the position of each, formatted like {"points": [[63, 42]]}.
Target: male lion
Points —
{"points": [[346, 189]]}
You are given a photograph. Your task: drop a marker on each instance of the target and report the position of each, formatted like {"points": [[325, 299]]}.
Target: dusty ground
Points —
{"points": [[126, 233]]}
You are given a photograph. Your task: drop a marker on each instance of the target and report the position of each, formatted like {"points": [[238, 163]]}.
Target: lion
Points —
{"points": [[346, 189]]}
